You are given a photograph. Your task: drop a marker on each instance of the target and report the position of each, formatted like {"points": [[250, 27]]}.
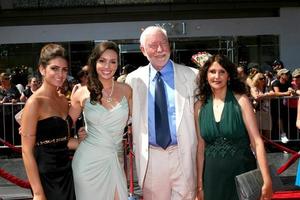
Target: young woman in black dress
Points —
{"points": [[45, 131]]}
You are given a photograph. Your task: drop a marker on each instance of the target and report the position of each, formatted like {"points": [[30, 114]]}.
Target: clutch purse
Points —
{"points": [[249, 184], [18, 116]]}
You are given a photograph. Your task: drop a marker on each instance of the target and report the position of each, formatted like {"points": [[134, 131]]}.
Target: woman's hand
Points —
{"points": [[200, 195], [81, 134], [20, 130], [39, 197], [266, 192]]}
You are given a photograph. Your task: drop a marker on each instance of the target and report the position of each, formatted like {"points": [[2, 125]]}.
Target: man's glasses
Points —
{"points": [[262, 78]]}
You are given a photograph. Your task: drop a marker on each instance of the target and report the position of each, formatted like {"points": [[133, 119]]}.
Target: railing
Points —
{"points": [[275, 116], [9, 128]]}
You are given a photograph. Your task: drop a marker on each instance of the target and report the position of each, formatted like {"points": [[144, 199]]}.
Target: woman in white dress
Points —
{"points": [[97, 163]]}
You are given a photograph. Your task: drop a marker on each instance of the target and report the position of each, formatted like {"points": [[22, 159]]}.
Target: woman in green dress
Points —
{"points": [[228, 136]]}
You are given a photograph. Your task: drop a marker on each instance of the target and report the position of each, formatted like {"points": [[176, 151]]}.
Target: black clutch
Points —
{"points": [[249, 184]]}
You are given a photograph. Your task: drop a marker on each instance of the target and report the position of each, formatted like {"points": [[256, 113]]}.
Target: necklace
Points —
{"points": [[108, 98], [218, 105]]}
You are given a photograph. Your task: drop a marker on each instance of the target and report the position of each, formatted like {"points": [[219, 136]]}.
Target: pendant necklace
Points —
{"points": [[109, 99]]}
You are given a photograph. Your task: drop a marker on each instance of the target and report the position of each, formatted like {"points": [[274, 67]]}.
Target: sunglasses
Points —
{"points": [[262, 78]]}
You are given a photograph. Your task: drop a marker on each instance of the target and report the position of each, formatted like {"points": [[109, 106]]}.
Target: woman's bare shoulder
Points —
{"points": [[125, 88], [34, 104], [81, 93], [242, 99], [36, 99], [197, 106]]}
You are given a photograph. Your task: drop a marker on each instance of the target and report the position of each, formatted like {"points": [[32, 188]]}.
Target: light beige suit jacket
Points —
{"points": [[185, 127]]}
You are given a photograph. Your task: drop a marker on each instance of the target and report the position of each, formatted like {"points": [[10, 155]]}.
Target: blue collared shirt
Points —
{"points": [[168, 78]]}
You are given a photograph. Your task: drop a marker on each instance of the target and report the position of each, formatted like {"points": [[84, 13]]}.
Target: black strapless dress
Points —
{"points": [[52, 157]]}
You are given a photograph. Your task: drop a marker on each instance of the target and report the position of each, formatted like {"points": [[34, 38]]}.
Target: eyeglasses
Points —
{"points": [[262, 78]]}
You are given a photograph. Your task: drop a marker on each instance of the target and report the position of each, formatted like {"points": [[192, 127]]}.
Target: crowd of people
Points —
{"points": [[194, 129], [274, 97]]}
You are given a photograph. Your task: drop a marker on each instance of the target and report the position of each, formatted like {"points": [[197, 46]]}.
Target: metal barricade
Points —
{"points": [[9, 127], [277, 117]]}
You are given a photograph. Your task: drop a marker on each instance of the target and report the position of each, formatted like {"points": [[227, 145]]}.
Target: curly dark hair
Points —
{"points": [[94, 85], [203, 90]]}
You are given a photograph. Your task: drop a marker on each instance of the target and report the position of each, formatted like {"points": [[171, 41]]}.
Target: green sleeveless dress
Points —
{"points": [[227, 149]]}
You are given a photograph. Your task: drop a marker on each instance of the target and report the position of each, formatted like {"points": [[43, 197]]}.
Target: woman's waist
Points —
{"points": [[225, 146], [97, 132], [104, 137], [105, 145], [52, 141], [52, 159]]}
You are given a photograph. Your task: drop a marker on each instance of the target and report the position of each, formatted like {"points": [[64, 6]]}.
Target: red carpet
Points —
{"points": [[286, 195]]}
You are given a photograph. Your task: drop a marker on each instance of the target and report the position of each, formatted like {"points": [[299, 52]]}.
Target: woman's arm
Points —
{"points": [[200, 152], [298, 115], [128, 94], [259, 96], [75, 88], [280, 94], [23, 98], [76, 102], [257, 144], [74, 111], [73, 143], [28, 137], [254, 93]]}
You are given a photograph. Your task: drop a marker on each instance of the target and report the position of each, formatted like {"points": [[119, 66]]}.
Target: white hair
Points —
{"points": [[151, 29]]}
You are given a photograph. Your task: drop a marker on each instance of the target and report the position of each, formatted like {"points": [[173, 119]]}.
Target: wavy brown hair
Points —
{"points": [[203, 90], [94, 85]]}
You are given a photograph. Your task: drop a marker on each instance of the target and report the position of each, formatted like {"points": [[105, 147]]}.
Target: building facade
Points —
{"points": [[246, 31]]}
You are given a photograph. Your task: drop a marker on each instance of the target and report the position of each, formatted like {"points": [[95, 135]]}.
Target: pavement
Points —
{"points": [[9, 191]]}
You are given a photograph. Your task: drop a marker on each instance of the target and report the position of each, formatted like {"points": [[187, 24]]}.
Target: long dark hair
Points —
{"points": [[94, 85], [203, 90]]}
